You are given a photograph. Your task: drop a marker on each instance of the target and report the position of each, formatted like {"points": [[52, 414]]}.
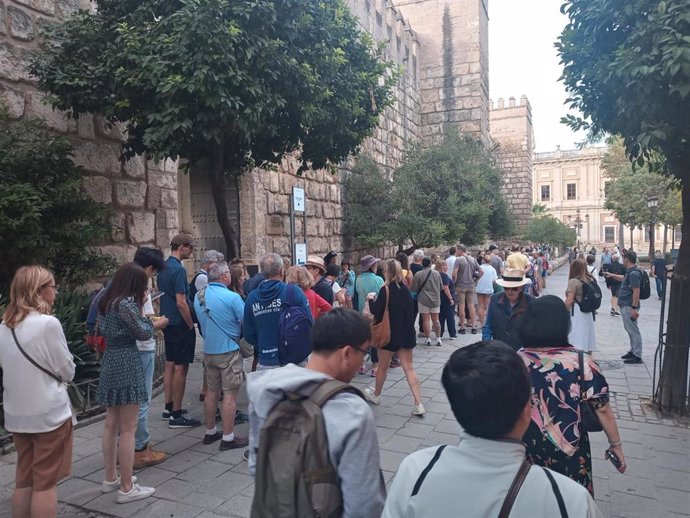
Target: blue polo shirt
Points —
{"points": [[220, 318], [632, 280], [171, 281]]}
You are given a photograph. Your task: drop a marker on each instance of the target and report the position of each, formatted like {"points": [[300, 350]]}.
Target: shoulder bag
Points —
{"points": [[589, 420], [76, 398], [415, 294], [381, 332], [246, 349]]}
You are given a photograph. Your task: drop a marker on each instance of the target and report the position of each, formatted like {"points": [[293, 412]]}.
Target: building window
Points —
{"points": [[571, 191], [609, 234], [545, 193]]}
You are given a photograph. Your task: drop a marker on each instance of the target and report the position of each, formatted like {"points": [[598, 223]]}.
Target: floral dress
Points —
{"points": [[121, 381], [554, 438]]}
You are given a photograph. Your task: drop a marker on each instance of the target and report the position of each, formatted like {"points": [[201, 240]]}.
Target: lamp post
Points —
{"points": [[578, 226], [652, 205], [587, 223]]}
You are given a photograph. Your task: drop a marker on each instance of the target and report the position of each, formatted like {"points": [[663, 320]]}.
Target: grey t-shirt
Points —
{"points": [[632, 280], [430, 294], [465, 268], [496, 263]]}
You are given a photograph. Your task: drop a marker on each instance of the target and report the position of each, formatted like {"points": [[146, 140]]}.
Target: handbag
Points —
{"points": [[76, 397], [95, 341], [589, 420], [381, 332]]}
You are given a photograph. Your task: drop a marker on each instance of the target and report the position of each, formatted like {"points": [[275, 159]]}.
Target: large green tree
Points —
{"points": [[234, 83], [626, 66], [45, 217], [547, 229], [447, 193]]}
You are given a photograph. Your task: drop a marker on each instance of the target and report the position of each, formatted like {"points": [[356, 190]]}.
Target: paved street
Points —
{"points": [[199, 481]]}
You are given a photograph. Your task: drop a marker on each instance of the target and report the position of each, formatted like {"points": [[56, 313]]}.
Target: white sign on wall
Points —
{"points": [[300, 254], [298, 199]]}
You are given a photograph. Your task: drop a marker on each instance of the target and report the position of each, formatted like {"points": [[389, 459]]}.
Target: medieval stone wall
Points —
{"points": [[511, 129], [142, 194]]}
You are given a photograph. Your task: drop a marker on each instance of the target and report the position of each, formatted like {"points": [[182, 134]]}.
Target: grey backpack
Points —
{"points": [[294, 474]]}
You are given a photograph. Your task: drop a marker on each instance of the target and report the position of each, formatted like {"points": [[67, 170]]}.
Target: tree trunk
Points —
{"points": [[665, 239], [672, 391], [621, 235], [632, 238], [652, 242], [219, 192], [673, 238]]}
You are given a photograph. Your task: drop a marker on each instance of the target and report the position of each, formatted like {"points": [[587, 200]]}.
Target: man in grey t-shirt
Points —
{"points": [[427, 285], [465, 276], [629, 303]]}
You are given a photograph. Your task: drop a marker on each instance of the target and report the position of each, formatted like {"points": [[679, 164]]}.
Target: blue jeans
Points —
{"points": [[660, 286], [141, 437]]}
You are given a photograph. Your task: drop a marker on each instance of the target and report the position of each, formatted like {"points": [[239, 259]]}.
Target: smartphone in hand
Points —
{"points": [[613, 458]]}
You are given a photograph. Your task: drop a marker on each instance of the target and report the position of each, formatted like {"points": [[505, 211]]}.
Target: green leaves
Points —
{"points": [[547, 229]]}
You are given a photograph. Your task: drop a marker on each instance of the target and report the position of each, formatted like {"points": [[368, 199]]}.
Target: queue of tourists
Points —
{"points": [[520, 394]]}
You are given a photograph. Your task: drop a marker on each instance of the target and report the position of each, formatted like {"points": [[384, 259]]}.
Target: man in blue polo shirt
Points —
{"points": [[180, 337], [220, 312]]}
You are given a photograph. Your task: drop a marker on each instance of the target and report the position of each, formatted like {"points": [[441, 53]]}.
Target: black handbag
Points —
{"points": [[589, 420]]}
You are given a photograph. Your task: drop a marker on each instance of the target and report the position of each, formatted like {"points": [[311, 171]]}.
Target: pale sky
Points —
{"points": [[523, 60]]}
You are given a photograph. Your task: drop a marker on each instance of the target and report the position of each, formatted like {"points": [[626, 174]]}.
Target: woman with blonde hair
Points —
{"points": [[121, 386], [403, 339], [581, 333], [299, 276], [36, 404]]}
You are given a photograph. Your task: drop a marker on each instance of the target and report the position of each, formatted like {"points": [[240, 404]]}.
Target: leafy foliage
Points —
{"points": [[238, 83], [444, 194], [547, 229], [45, 217]]}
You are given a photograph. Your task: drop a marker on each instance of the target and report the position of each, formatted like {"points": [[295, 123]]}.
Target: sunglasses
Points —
{"points": [[512, 289]]}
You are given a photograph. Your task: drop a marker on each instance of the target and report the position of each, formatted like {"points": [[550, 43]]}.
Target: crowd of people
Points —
{"points": [[517, 394]]}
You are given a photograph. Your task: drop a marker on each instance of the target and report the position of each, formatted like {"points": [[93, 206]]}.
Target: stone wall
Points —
{"points": [[142, 194], [511, 129]]}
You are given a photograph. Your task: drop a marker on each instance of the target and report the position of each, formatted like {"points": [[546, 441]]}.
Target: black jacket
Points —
{"points": [[502, 321], [400, 314]]}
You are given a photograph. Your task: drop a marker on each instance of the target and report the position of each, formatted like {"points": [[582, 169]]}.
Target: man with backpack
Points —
{"points": [[629, 295], [266, 307], [466, 273], [313, 447], [486, 472]]}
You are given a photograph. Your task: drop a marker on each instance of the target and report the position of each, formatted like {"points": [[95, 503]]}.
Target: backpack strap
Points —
{"points": [[557, 494], [329, 388], [514, 489], [425, 472]]}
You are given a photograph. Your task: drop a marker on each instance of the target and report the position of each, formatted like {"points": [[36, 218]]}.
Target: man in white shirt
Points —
{"points": [[489, 391], [450, 261]]}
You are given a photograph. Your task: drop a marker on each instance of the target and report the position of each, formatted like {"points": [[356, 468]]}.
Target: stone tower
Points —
{"points": [[453, 40], [511, 129]]}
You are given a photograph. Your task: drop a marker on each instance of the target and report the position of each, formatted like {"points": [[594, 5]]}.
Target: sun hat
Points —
{"points": [[316, 262], [367, 262], [512, 278]]}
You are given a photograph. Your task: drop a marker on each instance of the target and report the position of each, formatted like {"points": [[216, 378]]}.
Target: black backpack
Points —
{"points": [[645, 286], [191, 293], [591, 297]]}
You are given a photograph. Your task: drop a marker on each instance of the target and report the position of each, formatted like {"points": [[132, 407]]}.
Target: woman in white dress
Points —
{"points": [[581, 333]]}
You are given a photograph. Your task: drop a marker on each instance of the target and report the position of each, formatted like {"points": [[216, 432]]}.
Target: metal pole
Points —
{"points": [[292, 228]]}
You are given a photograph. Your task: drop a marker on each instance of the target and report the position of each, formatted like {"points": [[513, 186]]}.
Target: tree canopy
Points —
{"points": [[547, 229], [235, 83], [447, 193], [45, 218]]}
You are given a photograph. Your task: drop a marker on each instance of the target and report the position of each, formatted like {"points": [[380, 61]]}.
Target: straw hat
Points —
{"points": [[512, 278], [316, 262]]}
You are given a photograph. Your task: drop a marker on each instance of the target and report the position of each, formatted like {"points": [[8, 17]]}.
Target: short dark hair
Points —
{"points": [[333, 270], [130, 280], [545, 323], [488, 387], [146, 256], [426, 262], [590, 259], [404, 261], [630, 256], [452, 250], [338, 328]]}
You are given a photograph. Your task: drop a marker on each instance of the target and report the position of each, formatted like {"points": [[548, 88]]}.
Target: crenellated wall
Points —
{"points": [[142, 194]]}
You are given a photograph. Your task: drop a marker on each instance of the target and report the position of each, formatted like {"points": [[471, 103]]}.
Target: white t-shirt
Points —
{"points": [[336, 290], [451, 264], [150, 344], [485, 285]]}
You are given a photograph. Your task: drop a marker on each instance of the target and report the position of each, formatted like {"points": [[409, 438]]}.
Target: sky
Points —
{"points": [[523, 60]]}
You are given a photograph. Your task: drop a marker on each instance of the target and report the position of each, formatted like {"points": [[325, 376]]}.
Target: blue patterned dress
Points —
{"points": [[554, 438], [122, 377]]}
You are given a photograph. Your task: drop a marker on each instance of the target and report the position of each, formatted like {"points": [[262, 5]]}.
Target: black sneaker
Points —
{"points": [[462, 331], [184, 421], [238, 442], [210, 439], [633, 360], [167, 414], [241, 417], [627, 355], [245, 456], [613, 312], [474, 330]]}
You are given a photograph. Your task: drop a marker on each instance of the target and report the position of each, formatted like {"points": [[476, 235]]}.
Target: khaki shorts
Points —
{"points": [[466, 296], [43, 459], [423, 310], [224, 371]]}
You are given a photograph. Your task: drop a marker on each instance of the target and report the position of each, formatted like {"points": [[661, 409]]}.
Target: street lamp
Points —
{"points": [[652, 205]]}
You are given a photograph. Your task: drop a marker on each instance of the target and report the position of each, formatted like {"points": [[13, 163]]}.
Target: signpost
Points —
{"points": [[298, 204]]}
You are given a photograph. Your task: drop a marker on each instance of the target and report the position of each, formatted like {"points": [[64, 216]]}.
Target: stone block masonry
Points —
{"points": [[511, 129], [142, 194]]}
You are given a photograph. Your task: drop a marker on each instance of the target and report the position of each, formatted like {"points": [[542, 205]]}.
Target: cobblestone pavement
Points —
{"points": [[199, 481]]}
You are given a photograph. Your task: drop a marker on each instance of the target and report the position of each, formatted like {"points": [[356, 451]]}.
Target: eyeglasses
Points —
{"points": [[56, 287], [512, 289]]}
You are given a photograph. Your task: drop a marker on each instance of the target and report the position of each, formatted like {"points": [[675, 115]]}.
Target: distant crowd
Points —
{"points": [[525, 396]]}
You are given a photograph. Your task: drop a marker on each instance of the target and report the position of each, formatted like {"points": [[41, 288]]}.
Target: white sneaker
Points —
{"points": [[439, 343], [371, 397], [418, 409], [109, 487], [136, 493], [428, 342]]}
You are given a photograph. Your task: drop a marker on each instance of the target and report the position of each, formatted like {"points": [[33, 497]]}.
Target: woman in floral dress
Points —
{"points": [[555, 438]]}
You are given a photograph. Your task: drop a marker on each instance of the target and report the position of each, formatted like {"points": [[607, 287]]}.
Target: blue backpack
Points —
{"points": [[294, 330]]}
